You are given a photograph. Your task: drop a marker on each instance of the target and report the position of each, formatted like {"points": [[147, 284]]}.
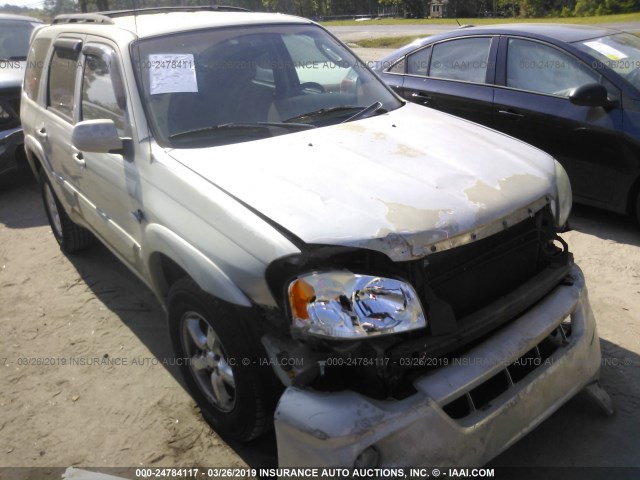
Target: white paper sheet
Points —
{"points": [[606, 50], [172, 73]]}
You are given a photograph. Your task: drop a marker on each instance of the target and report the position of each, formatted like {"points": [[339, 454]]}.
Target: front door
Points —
{"points": [[110, 181], [533, 105]]}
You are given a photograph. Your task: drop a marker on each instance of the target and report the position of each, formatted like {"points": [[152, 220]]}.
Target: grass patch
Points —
{"points": [[624, 17], [387, 42]]}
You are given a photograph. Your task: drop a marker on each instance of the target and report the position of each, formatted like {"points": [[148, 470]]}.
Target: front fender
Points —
{"points": [[161, 240]]}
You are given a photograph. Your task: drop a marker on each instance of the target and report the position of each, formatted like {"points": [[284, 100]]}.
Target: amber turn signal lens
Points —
{"points": [[300, 294]]}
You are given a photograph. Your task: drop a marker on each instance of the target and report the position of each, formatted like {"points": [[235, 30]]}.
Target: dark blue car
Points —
{"points": [[15, 31], [573, 91]]}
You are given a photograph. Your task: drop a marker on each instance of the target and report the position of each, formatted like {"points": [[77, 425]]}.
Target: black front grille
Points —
{"points": [[471, 277], [469, 291]]}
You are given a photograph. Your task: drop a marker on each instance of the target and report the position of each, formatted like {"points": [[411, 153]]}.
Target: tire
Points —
{"points": [[213, 339], [70, 237]]}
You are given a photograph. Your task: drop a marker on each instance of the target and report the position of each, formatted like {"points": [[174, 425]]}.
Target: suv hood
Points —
{"points": [[11, 73], [397, 183]]}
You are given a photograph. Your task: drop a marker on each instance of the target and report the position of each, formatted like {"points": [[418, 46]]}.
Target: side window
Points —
{"points": [[102, 92], [35, 64], [397, 67], [418, 62], [62, 81], [465, 59], [537, 67]]}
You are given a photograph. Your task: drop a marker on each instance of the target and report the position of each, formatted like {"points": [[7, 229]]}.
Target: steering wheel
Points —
{"points": [[313, 87]]}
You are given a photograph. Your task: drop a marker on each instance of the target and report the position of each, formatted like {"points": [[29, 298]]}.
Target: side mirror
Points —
{"points": [[99, 136], [590, 95]]}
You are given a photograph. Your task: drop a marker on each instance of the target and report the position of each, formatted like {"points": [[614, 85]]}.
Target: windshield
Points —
{"points": [[14, 39], [222, 86], [620, 52]]}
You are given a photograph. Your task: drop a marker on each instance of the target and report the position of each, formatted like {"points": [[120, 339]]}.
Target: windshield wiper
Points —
{"points": [[362, 112], [322, 112], [374, 108], [246, 126], [20, 58]]}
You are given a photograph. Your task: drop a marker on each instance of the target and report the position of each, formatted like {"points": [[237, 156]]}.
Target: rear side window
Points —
{"points": [[465, 59], [418, 62], [62, 81], [35, 64]]}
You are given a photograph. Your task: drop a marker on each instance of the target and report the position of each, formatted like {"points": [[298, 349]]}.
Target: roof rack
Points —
{"points": [[82, 18], [107, 17]]}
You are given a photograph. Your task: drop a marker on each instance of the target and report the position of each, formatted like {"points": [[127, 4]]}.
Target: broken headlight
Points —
{"points": [[348, 306], [561, 207]]}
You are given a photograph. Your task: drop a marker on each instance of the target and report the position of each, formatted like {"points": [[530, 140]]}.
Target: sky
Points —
{"points": [[23, 3]]}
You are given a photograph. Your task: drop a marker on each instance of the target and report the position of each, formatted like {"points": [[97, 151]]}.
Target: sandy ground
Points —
{"points": [[62, 318]]}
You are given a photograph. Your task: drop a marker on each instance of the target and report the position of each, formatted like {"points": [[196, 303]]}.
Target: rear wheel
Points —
{"points": [[70, 237], [221, 362]]}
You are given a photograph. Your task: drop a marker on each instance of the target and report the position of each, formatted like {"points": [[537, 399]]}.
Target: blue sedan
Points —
{"points": [[573, 91]]}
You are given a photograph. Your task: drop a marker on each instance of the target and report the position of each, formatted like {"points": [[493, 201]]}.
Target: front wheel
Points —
{"points": [[221, 362], [70, 237]]}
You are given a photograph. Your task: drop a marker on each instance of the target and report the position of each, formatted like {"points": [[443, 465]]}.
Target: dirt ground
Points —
{"points": [[62, 317]]}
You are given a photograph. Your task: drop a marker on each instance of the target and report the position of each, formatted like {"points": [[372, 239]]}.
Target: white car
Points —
{"points": [[385, 281]]}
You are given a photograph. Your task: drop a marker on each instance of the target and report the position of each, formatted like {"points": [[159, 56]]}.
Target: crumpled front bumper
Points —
{"points": [[332, 429], [10, 140]]}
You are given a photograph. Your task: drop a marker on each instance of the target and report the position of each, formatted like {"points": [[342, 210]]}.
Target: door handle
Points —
{"points": [[511, 114], [42, 132], [422, 98], [79, 159]]}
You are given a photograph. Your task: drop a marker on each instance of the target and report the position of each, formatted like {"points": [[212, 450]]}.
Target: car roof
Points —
{"points": [[542, 31], [557, 31], [150, 24], [23, 18]]}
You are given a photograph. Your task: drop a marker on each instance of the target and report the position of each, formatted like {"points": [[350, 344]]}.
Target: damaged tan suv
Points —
{"points": [[383, 282]]}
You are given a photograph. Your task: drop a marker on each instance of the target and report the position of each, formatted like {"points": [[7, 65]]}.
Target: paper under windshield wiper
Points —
{"points": [[245, 126]]}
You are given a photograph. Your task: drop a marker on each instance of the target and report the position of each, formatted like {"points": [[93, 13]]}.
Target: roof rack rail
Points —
{"points": [[82, 18], [106, 17]]}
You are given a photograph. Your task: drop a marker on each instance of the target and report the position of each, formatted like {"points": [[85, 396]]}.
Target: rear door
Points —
{"points": [[53, 130], [454, 76], [533, 104]]}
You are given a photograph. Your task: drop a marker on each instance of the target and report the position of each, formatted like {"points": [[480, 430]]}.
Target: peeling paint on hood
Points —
{"points": [[397, 183]]}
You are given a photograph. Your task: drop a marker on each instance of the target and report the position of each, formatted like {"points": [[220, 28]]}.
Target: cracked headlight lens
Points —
{"points": [[561, 207], [347, 305]]}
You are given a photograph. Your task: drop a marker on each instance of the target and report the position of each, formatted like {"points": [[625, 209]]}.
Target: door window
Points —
{"points": [[102, 93], [464, 59], [541, 68], [62, 81]]}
